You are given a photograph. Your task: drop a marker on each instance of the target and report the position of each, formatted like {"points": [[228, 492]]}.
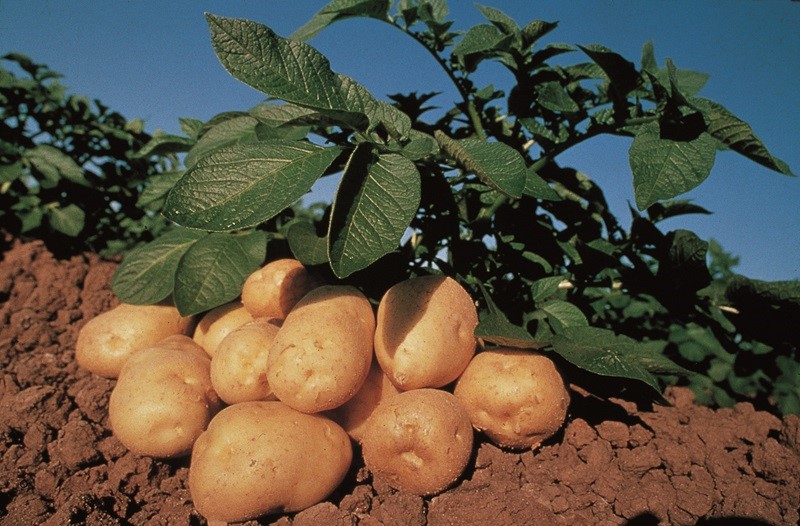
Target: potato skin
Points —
{"points": [[322, 353], [517, 398], [162, 401], [239, 365], [217, 323], [274, 289], [353, 415], [263, 457], [419, 441], [107, 340], [425, 334]]}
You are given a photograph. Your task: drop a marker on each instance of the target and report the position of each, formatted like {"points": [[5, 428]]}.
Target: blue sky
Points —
{"points": [[153, 59]]}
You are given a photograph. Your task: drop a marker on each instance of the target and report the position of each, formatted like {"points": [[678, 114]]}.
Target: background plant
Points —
{"points": [[69, 173], [476, 191]]}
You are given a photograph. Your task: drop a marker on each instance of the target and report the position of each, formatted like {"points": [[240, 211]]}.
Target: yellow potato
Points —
{"points": [[217, 323], [107, 340], [162, 401], [322, 353], [260, 457], [517, 398], [181, 342], [353, 415], [425, 333], [274, 289], [239, 366], [418, 441]]}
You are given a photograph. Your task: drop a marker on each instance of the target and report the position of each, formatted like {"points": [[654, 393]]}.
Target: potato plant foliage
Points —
{"points": [[475, 191]]}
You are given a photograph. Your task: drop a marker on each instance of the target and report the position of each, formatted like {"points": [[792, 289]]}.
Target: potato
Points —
{"points": [[322, 353], [274, 289], [353, 415], [217, 323], [107, 340], [418, 441], [517, 398], [182, 342], [239, 366], [425, 333], [264, 457], [162, 401]]}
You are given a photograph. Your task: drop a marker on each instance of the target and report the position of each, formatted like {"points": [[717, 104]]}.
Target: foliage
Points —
{"points": [[476, 192], [68, 170]]}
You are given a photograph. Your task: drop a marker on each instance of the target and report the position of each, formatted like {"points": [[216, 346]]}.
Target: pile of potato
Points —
{"points": [[268, 394]]}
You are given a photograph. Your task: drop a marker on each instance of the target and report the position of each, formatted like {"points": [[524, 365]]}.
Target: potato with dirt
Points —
{"points": [[322, 353], [215, 324], [239, 365], [418, 441], [274, 289], [515, 397], [264, 457], [425, 334], [163, 400], [109, 339]]}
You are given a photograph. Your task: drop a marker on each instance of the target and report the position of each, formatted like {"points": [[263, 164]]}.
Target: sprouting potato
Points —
{"points": [[217, 323], [418, 441], [264, 457], [239, 366], [322, 353], [274, 289], [517, 398], [425, 334], [162, 401], [107, 340]]}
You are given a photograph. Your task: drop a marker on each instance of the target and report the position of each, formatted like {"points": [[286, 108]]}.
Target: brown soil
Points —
{"points": [[613, 464]]}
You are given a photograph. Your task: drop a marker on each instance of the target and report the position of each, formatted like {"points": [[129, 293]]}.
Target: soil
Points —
{"points": [[614, 463]]}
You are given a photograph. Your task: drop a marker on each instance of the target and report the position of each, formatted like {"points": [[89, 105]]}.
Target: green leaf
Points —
{"points": [[544, 288], [191, 127], [306, 245], [493, 326], [53, 164], [480, 38], [214, 268], [147, 274], [496, 164], [602, 352], [783, 294], [244, 185], [537, 187], [373, 206], [554, 97], [562, 314], [663, 168], [339, 10], [157, 188], [738, 135], [359, 101], [165, 143], [621, 71], [68, 220], [236, 130]]}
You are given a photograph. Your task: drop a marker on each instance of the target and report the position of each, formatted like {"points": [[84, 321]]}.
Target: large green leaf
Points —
{"points": [[374, 204], [537, 187], [664, 168], [147, 274], [214, 268], [244, 185], [53, 164], [68, 219], [493, 326], [602, 352], [562, 314], [236, 130], [306, 245], [737, 135], [339, 10], [496, 164]]}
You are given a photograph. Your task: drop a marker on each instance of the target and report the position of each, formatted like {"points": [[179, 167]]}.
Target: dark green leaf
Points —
{"points": [[621, 71], [164, 143], [496, 164], [661, 211], [339, 10], [537, 187], [535, 30], [493, 326], [157, 188], [306, 245], [68, 220], [544, 288], [562, 314], [237, 130], [663, 168], [244, 185], [214, 268], [53, 164], [554, 97], [504, 22], [374, 205], [478, 39], [147, 274]]}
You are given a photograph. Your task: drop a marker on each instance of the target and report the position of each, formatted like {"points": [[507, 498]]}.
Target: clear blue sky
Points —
{"points": [[153, 59]]}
